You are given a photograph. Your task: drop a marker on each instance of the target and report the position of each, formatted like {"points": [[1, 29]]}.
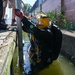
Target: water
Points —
{"points": [[61, 66], [68, 68], [27, 63]]}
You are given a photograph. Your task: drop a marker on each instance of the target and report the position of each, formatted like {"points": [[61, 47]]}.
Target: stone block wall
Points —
{"points": [[68, 45]]}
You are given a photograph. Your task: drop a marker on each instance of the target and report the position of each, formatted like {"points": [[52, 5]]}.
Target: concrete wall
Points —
{"points": [[56, 5], [69, 10], [50, 5], [68, 45], [7, 48]]}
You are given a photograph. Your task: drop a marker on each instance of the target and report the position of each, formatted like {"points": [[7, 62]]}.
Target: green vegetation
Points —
{"points": [[25, 35], [61, 21], [26, 8]]}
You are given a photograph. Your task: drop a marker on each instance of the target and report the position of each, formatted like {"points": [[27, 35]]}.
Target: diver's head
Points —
{"points": [[43, 20]]}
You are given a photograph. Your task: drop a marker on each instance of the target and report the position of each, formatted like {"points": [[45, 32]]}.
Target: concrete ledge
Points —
{"points": [[68, 45], [6, 51]]}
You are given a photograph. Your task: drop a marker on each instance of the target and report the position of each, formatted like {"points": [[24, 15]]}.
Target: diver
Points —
{"points": [[48, 38]]}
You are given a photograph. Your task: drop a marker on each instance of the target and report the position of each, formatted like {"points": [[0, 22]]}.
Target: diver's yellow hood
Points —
{"points": [[43, 20]]}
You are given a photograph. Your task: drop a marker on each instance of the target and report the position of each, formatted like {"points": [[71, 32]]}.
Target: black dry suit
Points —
{"points": [[49, 39]]}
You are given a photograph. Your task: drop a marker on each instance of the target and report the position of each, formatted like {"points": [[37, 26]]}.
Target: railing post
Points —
{"points": [[19, 31], [40, 7], [20, 46]]}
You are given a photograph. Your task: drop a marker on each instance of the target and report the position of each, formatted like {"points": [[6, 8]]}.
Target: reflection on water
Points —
{"points": [[53, 69], [68, 68], [61, 66], [17, 70]]}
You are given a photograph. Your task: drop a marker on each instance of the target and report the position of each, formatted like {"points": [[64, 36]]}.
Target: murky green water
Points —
{"points": [[68, 68], [61, 66], [17, 70]]}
